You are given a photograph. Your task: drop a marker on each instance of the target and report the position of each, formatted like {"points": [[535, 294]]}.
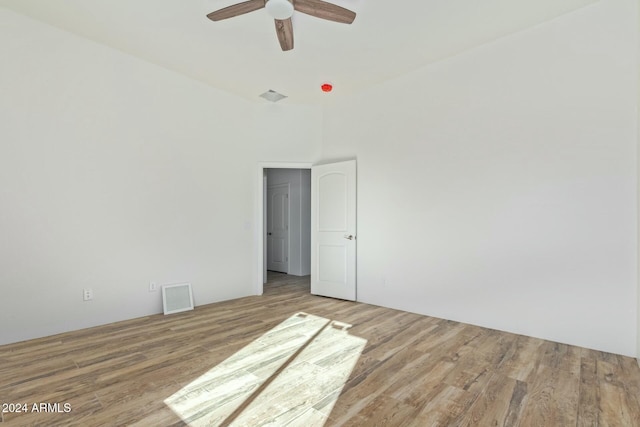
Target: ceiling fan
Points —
{"points": [[281, 11]]}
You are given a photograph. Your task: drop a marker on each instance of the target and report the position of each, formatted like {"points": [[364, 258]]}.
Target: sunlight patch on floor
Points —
{"points": [[264, 383]]}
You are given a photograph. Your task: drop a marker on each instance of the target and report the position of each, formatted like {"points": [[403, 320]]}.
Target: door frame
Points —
{"points": [[261, 189]]}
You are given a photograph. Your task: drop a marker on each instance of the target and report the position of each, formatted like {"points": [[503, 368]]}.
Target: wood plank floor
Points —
{"points": [[282, 359]]}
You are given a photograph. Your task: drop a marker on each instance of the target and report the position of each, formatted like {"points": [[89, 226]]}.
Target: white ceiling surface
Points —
{"points": [[242, 55]]}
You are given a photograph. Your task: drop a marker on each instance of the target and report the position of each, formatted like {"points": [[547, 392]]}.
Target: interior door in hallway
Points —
{"points": [[278, 228]]}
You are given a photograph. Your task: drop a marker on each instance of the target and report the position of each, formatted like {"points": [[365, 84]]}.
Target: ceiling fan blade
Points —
{"points": [[324, 10], [284, 29], [236, 9]]}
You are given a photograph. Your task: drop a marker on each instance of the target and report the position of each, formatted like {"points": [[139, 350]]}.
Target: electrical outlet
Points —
{"points": [[87, 294], [153, 286]]}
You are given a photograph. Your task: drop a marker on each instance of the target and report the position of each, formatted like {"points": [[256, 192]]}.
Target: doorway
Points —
{"points": [[328, 255], [286, 206]]}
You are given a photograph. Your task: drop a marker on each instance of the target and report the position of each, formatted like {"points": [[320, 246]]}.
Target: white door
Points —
{"points": [[278, 228], [333, 230]]}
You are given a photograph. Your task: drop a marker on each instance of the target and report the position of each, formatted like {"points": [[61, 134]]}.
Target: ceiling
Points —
{"points": [[241, 55]]}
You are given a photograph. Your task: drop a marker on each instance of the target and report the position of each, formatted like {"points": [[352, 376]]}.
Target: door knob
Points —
{"points": [[349, 236]]}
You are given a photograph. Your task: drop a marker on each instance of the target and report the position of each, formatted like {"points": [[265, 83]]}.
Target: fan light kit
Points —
{"points": [[281, 11]]}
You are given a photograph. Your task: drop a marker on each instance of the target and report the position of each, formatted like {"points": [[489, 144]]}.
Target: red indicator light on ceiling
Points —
{"points": [[326, 87]]}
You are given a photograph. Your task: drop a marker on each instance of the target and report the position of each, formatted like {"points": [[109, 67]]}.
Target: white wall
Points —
{"points": [[299, 216], [498, 187], [115, 172]]}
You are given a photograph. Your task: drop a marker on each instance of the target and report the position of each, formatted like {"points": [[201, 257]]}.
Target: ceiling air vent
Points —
{"points": [[273, 96]]}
